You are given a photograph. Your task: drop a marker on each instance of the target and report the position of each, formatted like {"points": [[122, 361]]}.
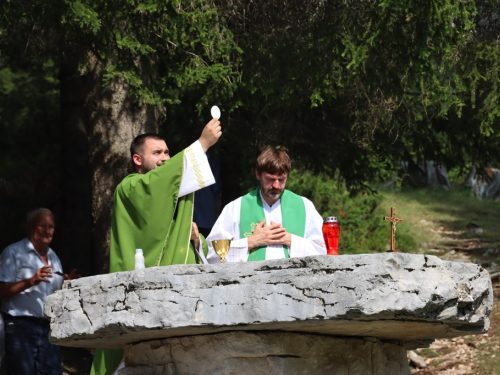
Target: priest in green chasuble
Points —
{"points": [[153, 211], [269, 222]]}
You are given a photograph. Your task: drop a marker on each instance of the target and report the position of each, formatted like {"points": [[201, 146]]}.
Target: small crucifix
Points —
{"points": [[393, 221]]}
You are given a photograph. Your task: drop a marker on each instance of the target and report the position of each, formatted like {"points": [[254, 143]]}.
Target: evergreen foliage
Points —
{"points": [[184, 44], [356, 87], [342, 83], [29, 167], [349, 87], [159, 51]]}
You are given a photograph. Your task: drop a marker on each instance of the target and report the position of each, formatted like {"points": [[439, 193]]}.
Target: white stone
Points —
{"points": [[407, 298]]}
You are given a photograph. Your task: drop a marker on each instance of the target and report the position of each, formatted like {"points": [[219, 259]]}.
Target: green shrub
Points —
{"points": [[362, 229]]}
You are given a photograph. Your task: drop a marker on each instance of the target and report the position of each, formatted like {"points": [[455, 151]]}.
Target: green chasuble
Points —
{"points": [[293, 214], [148, 215]]}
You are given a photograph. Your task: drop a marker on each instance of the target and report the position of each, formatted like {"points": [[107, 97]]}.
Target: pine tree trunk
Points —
{"points": [[104, 120]]}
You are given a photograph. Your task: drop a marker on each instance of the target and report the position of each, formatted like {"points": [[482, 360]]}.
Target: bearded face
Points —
{"points": [[272, 186]]}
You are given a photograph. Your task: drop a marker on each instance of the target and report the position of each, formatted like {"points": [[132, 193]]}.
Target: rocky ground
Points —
{"points": [[475, 354]]}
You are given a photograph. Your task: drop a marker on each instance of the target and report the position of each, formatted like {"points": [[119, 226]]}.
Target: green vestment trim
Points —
{"points": [[148, 215], [293, 214]]}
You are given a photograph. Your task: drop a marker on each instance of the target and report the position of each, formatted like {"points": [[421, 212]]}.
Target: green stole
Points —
{"points": [[293, 214], [148, 215]]}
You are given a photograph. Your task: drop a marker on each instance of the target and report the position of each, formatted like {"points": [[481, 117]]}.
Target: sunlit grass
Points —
{"points": [[425, 212]]}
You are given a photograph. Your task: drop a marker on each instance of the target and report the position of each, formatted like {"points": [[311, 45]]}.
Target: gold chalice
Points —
{"points": [[221, 248]]}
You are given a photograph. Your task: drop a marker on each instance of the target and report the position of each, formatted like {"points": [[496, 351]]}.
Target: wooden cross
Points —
{"points": [[393, 221]]}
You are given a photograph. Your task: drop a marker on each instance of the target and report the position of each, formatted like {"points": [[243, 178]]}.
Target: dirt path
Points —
{"points": [[475, 354]]}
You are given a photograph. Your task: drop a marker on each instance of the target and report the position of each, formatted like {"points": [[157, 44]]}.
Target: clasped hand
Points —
{"points": [[273, 234]]}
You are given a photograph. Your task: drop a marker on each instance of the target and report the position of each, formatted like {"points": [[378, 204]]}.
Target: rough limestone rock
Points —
{"points": [[395, 297], [250, 353]]}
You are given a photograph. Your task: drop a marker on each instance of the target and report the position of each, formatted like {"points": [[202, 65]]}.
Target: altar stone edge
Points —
{"points": [[406, 299]]}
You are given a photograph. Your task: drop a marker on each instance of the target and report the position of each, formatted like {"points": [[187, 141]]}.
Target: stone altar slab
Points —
{"points": [[404, 298]]}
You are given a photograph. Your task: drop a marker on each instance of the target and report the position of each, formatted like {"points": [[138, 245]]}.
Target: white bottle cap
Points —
{"points": [[138, 251]]}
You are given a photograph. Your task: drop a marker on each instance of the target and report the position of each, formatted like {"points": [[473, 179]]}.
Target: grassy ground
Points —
{"points": [[436, 221]]}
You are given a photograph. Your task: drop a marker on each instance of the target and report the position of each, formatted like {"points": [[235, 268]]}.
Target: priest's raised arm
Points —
{"points": [[152, 208]]}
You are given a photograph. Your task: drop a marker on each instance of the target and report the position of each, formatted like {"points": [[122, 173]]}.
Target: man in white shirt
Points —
{"points": [[30, 271], [269, 222]]}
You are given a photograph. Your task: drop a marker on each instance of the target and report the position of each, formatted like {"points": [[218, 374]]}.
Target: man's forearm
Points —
{"points": [[195, 160], [8, 290], [251, 244]]}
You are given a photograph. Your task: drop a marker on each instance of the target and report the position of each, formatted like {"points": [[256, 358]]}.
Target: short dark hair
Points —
{"points": [[138, 142], [274, 161]]}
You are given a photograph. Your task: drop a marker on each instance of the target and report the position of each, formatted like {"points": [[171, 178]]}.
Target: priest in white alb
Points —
{"points": [[269, 222]]}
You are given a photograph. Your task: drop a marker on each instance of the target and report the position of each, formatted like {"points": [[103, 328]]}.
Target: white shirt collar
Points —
{"points": [[30, 246]]}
